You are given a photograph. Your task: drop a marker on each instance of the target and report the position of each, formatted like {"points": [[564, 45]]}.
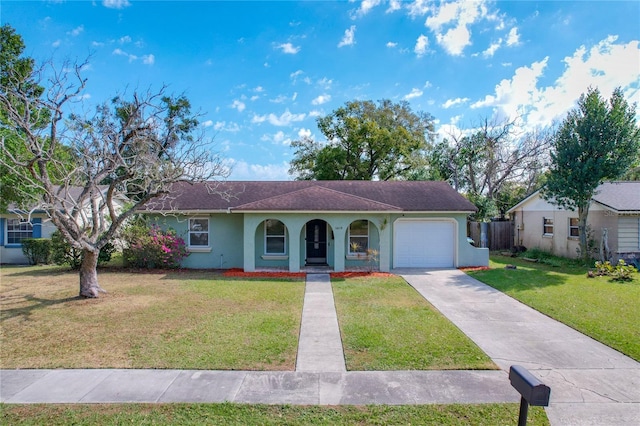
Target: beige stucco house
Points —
{"points": [[614, 210]]}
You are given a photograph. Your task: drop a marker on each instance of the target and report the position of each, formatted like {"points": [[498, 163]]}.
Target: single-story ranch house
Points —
{"points": [[294, 225], [615, 207]]}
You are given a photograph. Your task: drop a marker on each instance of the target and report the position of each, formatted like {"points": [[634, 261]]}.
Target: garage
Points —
{"points": [[423, 244]]}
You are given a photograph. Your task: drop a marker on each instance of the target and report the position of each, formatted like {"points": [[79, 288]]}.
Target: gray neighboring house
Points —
{"points": [[292, 225], [16, 224], [615, 209]]}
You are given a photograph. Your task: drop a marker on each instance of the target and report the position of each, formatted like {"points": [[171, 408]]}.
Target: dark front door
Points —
{"points": [[316, 242]]}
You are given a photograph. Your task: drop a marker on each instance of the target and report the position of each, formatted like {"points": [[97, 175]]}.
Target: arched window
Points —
{"points": [[275, 237], [358, 237]]}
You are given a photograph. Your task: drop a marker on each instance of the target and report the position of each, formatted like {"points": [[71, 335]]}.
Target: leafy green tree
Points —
{"points": [[139, 147], [597, 141], [365, 141]]}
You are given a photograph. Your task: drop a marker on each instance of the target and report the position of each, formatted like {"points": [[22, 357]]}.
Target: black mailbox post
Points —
{"points": [[532, 390]]}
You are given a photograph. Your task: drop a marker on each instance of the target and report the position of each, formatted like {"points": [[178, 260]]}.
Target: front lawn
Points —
{"points": [[234, 414], [183, 320], [605, 310], [386, 325]]}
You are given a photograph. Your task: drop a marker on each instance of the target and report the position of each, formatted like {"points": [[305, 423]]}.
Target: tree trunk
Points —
{"points": [[583, 213], [89, 286]]}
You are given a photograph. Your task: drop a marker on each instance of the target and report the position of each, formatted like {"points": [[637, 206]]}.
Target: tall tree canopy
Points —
{"points": [[597, 141], [138, 147], [365, 141]]}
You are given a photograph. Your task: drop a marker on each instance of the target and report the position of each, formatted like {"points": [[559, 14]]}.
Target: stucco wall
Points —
{"points": [[12, 254]]}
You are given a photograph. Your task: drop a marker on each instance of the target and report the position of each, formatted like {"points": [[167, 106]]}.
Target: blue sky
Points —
{"points": [[262, 72]]}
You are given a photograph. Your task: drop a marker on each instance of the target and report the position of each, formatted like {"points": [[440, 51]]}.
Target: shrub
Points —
{"points": [[37, 250], [62, 253], [619, 272], [151, 247]]}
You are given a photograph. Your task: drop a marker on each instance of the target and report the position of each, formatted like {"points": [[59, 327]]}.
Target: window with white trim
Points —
{"points": [[199, 232], [275, 237], [573, 227], [358, 237], [18, 230], [547, 226]]}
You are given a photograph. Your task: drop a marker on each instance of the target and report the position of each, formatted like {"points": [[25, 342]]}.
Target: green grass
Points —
{"points": [[234, 414], [185, 320], [605, 310], [386, 325]]}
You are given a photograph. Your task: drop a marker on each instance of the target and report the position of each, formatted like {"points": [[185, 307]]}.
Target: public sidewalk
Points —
{"points": [[591, 384]]}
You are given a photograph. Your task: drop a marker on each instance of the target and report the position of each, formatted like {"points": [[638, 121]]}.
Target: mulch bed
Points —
{"points": [[240, 273], [474, 268]]}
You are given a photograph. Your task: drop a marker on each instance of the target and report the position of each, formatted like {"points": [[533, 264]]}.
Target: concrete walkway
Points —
{"points": [[319, 344], [591, 384]]}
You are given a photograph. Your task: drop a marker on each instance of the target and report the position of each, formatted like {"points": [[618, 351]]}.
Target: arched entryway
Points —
{"points": [[316, 242]]}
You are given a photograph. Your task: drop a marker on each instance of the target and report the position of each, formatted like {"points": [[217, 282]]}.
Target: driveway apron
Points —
{"points": [[591, 384]]}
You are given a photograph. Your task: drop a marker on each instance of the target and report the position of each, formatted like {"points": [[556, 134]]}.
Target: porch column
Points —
{"points": [[249, 244], [294, 247], [339, 233], [385, 248]]}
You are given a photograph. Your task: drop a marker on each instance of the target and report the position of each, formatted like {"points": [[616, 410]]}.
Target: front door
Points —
{"points": [[316, 239]]}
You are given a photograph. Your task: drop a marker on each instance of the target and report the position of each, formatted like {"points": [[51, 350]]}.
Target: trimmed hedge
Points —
{"points": [[37, 250]]}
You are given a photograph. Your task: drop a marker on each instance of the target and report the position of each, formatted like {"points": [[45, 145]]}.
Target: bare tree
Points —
{"points": [[490, 159], [137, 147]]}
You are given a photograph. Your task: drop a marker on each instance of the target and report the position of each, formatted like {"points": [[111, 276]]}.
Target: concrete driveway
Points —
{"points": [[591, 384]]}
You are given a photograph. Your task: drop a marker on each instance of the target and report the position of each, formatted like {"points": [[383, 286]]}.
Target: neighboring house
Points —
{"points": [[614, 210], [297, 224], [16, 225]]}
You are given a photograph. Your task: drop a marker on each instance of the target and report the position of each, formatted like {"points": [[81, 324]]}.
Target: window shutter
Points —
{"points": [[37, 227], [1, 231]]}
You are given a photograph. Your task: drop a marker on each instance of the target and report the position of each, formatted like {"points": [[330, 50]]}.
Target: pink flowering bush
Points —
{"points": [[152, 247]]}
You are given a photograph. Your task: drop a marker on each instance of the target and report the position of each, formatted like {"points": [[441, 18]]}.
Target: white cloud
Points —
{"points": [[457, 101], [415, 93], [258, 89], [148, 59], [322, 99], [120, 52], [366, 6], [392, 44], [315, 113], [56, 43], [422, 44], [419, 8], [285, 119], [394, 5], [605, 65], [239, 105], [349, 37], [304, 133], [491, 50], [124, 40], [223, 126], [294, 75], [76, 31], [241, 170], [279, 99], [116, 4], [450, 22], [513, 38], [207, 123], [427, 84], [325, 82], [288, 48]]}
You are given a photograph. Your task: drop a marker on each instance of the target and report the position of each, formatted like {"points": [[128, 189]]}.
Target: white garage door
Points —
{"points": [[423, 244]]}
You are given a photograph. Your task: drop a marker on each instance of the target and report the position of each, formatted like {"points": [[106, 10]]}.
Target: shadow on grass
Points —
{"points": [[36, 303]]}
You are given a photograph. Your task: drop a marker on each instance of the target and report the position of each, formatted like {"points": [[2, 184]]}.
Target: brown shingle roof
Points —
{"points": [[314, 196]]}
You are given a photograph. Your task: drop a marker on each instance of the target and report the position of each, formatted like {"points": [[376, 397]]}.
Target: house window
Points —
{"points": [[573, 227], [275, 239], [199, 232], [18, 230], [359, 236], [547, 226]]}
